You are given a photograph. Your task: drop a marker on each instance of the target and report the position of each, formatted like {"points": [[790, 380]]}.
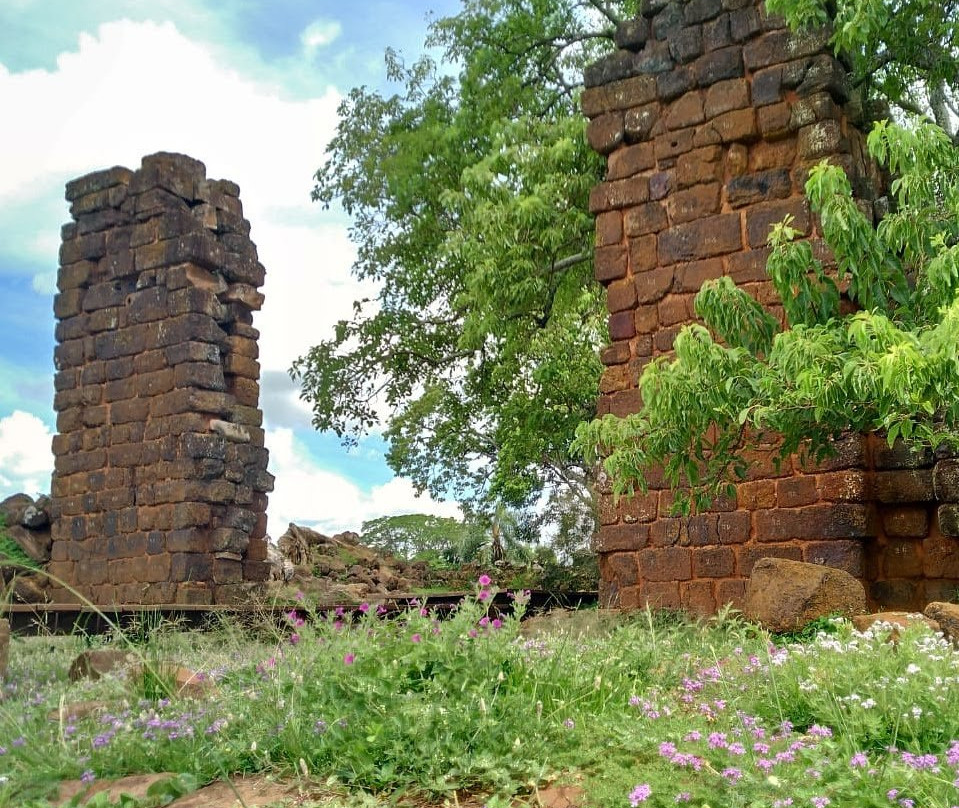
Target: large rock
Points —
{"points": [[947, 616], [97, 663], [785, 595], [35, 543], [13, 508]]}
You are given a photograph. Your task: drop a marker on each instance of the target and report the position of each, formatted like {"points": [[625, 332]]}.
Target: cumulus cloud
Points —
{"points": [[319, 34], [26, 461], [308, 495]]}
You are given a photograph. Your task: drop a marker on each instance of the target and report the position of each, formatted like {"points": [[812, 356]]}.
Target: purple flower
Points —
{"points": [[349, 659], [416, 638], [294, 638], [569, 723], [21, 741], [820, 732], [497, 623], [483, 594], [732, 774], [485, 580], [364, 607], [640, 794], [820, 802], [859, 761], [88, 776], [683, 796]]}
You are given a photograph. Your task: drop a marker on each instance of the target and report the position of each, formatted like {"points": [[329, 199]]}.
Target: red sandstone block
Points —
{"points": [[902, 559], [653, 285], [613, 538], [665, 563], [699, 166], [713, 562], [731, 592], [90, 247], [609, 263], [629, 161], [196, 593], [236, 365], [620, 296], [616, 353], [730, 127], [639, 507], [698, 597], [664, 338], [726, 96], [645, 219], [897, 595], [620, 568], [191, 567], [672, 144], [775, 121], [662, 595], [906, 522], [778, 154], [674, 309], [832, 521], [75, 275], [605, 132], [904, 485], [816, 141], [697, 202], [609, 230], [625, 402], [794, 491], [618, 194], [690, 277], [705, 238], [642, 253], [844, 555], [941, 557], [685, 111], [735, 527], [191, 514], [761, 218], [245, 391]]}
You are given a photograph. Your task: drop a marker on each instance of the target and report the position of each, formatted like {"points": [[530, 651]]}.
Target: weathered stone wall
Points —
{"points": [[159, 492], [710, 114]]}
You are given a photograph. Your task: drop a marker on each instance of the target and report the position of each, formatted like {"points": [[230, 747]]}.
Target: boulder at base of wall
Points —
{"points": [[947, 616], [785, 595]]}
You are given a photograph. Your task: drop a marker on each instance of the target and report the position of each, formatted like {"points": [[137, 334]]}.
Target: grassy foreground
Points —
{"points": [[656, 711]]}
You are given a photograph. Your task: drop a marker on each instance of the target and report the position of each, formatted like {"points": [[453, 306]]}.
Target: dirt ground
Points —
{"points": [[268, 792]]}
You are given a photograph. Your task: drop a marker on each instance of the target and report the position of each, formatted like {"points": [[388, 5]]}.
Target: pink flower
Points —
{"points": [[497, 623], [364, 607], [483, 594], [484, 622], [349, 659], [416, 638], [485, 580], [294, 638]]}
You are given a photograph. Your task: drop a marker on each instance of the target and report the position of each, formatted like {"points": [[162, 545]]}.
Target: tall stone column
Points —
{"points": [[159, 492], [711, 114]]}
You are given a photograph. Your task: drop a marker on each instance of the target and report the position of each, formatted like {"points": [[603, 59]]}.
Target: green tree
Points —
{"points": [[468, 194], [904, 53], [890, 365], [418, 535]]}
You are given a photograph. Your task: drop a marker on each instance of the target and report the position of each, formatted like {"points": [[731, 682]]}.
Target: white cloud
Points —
{"points": [[325, 501], [26, 461], [319, 34]]}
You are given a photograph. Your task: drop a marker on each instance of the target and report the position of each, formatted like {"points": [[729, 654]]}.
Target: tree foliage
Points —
{"points": [[890, 365], [902, 52], [468, 193]]}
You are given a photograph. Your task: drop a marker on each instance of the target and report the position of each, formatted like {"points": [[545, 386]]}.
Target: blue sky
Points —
{"points": [[250, 87]]}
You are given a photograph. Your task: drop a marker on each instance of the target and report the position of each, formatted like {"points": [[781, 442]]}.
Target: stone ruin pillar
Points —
{"points": [[710, 114], [159, 492]]}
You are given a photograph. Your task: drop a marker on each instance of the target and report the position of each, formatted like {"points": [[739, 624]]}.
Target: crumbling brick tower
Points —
{"points": [[710, 114], [159, 492]]}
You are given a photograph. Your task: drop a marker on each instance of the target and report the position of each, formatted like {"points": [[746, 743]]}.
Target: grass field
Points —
{"points": [[647, 709]]}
